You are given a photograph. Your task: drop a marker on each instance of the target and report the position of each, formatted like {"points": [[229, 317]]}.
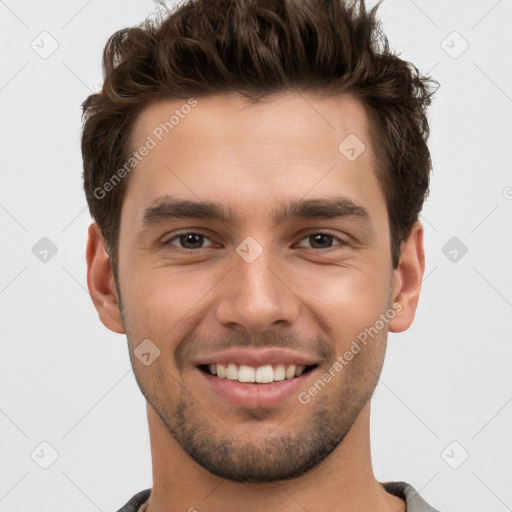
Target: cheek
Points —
{"points": [[344, 300], [158, 302]]}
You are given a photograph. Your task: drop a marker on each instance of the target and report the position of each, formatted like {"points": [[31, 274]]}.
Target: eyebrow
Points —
{"points": [[166, 208]]}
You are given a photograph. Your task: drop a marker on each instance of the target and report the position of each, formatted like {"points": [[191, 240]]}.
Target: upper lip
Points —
{"points": [[257, 357]]}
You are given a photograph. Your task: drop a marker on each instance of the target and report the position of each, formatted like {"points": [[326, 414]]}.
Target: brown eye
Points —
{"points": [[188, 241], [321, 241]]}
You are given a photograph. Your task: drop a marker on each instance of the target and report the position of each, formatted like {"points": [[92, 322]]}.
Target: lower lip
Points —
{"points": [[254, 395]]}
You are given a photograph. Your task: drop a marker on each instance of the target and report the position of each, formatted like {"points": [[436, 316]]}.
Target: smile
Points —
{"points": [[260, 375]]}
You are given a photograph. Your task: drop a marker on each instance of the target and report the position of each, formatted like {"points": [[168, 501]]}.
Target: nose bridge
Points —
{"points": [[255, 294]]}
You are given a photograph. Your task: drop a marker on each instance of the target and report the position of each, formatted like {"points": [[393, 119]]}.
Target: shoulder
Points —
{"points": [[136, 502], [415, 503]]}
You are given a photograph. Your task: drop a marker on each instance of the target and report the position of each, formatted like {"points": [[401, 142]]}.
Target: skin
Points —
{"points": [[207, 453]]}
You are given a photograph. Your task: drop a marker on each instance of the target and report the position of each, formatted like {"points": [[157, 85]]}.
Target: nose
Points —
{"points": [[256, 296]]}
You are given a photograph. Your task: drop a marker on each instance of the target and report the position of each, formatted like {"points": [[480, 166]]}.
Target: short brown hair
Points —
{"points": [[256, 48]]}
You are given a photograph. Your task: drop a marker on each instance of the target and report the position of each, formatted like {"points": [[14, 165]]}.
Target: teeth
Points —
{"points": [[279, 372], [246, 373], [221, 371], [299, 370], [290, 372], [232, 372], [262, 374]]}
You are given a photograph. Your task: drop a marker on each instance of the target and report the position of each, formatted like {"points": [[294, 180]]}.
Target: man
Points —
{"points": [[255, 170]]}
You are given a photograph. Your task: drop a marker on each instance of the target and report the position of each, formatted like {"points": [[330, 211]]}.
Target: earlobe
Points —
{"points": [[407, 278], [100, 281]]}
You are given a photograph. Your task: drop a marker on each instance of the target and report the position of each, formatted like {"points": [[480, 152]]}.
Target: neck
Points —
{"points": [[343, 482]]}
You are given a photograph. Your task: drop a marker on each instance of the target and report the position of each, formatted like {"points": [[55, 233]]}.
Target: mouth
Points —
{"points": [[253, 378], [264, 374], [255, 387]]}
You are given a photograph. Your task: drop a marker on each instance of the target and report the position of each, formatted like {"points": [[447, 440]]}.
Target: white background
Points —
{"points": [[66, 380]]}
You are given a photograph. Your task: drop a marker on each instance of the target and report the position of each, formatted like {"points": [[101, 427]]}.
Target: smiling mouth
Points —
{"points": [[256, 375]]}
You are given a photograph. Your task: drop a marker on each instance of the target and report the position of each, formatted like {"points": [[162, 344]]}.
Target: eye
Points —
{"points": [[321, 240], [189, 240]]}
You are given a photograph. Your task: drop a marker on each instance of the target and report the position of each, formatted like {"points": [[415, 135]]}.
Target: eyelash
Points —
{"points": [[200, 249]]}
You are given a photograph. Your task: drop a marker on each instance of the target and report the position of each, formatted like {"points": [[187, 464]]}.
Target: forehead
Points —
{"points": [[230, 118], [222, 147]]}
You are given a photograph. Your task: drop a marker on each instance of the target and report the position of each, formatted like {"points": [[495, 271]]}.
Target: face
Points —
{"points": [[252, 247]]}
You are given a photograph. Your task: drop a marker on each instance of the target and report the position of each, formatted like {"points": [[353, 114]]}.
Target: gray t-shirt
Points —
{"points": [[415, 503]]}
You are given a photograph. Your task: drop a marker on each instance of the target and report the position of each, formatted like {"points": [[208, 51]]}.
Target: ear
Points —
{"points": [[100, 281], [407, 278]]}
